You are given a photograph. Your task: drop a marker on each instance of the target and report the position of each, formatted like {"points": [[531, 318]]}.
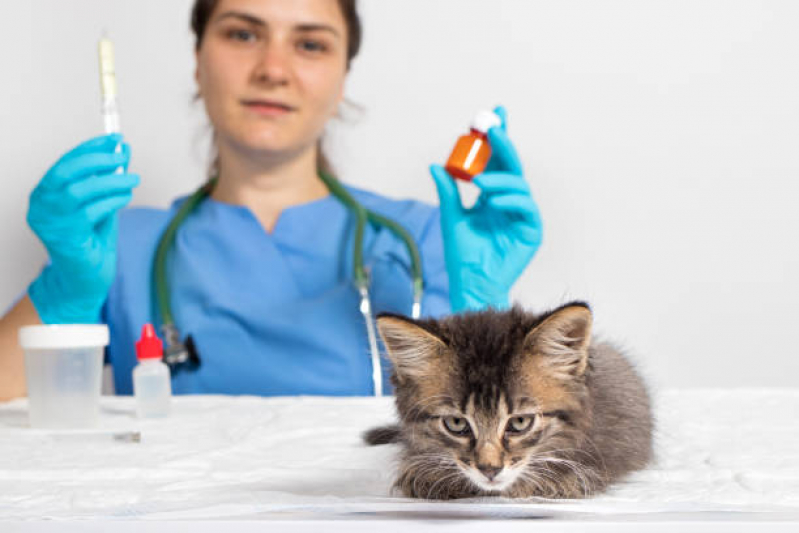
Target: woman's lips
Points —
{"points": [[267, 107]]}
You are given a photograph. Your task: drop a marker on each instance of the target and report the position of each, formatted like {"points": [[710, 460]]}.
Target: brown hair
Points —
{"points": [[201, 14]]}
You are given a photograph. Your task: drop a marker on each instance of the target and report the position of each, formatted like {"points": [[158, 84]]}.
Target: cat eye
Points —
{"points": [[457, 425], [519, 424]]}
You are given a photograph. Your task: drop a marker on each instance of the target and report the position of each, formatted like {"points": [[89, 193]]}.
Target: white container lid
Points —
{"points": [[485, 120], [49, 337]]}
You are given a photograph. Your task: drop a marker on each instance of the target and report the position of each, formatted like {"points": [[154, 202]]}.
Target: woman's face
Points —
{"points": [[271, 72]]}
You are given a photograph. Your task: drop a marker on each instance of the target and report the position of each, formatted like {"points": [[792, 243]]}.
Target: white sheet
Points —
{"points": [[718, 450]]}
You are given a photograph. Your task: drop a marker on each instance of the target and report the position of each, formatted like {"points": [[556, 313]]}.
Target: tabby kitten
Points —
{"points": [[507, 403]]}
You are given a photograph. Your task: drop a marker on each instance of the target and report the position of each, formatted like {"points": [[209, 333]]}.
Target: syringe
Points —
{"points": [[108, 86], [108, 90]]}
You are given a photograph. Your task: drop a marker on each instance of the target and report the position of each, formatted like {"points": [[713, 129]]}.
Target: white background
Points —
{"points": [[660, 139]]}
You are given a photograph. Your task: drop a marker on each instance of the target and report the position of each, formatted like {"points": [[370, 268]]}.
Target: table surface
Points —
{"points": [[723, 456]]}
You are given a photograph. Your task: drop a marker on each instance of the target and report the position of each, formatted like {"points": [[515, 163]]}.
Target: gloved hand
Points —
{"points": [[73, 212], [488, 246]]}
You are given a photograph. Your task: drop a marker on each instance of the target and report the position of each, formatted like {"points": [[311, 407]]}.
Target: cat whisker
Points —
{"points": [[424, 466], [431, 492], [598, 455], [576, 451], [545, 476], [578, 473], [525, 476], [583, 470], [582, 474], [556, 483]]}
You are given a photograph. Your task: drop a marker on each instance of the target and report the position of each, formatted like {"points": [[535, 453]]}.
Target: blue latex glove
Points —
{"points": [[73, 212], [488, 246]]}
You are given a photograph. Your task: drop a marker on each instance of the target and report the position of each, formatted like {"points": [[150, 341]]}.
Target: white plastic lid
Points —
{"points": [[63, 336], [485, 120]]}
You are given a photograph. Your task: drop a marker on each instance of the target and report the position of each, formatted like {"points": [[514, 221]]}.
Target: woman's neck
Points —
{"points": [[267, 187]]}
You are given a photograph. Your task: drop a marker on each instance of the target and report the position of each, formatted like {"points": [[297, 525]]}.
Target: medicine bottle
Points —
{"points": [[151, 378], [472, 151]]}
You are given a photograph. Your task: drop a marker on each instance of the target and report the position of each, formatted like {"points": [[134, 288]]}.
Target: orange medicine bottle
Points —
{"points": [[472, 151]]}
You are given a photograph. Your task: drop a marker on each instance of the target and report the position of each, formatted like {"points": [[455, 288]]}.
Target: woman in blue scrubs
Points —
{"points": [[261, 271]]}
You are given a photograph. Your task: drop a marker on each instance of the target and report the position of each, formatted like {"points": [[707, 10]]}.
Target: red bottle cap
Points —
{"points": [[149, 346]]}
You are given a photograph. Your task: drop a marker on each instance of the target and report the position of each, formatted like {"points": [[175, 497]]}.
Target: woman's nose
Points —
{"points": [[272, 66]]}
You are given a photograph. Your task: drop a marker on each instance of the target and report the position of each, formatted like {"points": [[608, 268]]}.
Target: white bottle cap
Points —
{"points": [[63, 336], [485, 120]]}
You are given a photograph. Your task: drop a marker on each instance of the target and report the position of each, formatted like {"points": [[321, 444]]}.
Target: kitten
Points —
{"points": [[507, 403]]}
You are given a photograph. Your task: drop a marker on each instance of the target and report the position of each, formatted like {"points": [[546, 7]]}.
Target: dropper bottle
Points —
{"points": [[472, 151], [151, 378]]}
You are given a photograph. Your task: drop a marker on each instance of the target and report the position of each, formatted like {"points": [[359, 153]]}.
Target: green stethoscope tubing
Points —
{"points": [[362, 215]]}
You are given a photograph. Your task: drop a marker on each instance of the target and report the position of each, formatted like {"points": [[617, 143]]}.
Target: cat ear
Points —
{"points": [[562, 340], [414, 351]]}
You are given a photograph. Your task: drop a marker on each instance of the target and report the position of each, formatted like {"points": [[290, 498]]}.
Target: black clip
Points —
{"points": [[179, 355]]}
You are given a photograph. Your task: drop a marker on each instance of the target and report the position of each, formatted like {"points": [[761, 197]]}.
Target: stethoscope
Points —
{"points": [[182, 354]]}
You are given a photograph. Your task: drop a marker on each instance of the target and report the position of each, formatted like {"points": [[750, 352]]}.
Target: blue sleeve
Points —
{"points": [[435, 302]]}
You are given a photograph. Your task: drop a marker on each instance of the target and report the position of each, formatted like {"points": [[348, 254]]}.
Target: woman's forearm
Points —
{"points": [[12, 363]]}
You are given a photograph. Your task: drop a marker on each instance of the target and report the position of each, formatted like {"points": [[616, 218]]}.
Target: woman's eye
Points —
{"points": [[241, 35], [519, 424], [312, 46], [457, 425]]}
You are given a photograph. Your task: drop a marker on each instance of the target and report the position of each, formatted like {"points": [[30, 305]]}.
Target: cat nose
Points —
{"points": [[489, 471]]}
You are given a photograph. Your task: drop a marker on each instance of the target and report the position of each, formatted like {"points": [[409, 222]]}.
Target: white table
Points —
{"points": [[727, 460]]}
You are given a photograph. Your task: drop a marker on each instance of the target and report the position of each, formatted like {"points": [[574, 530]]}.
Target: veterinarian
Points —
{"points": [[267, 277]]}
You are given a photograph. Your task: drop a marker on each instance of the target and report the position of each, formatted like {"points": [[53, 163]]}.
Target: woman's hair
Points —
{"points": [[201, 14]]}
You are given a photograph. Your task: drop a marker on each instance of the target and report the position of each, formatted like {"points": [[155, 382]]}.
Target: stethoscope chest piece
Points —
{"points": [[179, 354]]}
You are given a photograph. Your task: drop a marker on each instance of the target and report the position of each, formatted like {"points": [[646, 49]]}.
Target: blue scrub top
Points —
{"points": [[271, 313]]}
